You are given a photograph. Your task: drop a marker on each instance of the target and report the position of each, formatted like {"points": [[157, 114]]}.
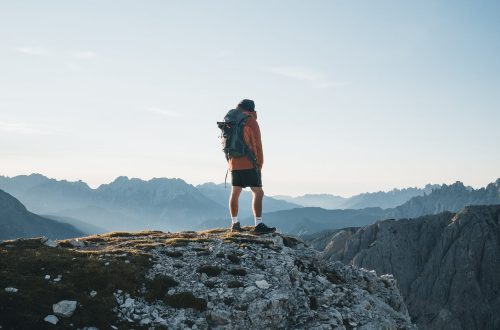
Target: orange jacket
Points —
{"points": [[251, 134]]}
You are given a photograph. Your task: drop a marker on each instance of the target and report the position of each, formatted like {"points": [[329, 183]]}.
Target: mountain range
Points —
{"points": [[446, 265], [172, 204], [307, 220], [124, 204], [382, 199]]}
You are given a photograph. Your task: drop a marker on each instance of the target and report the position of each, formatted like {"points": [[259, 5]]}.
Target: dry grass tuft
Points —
{"points": [[186, 300]]}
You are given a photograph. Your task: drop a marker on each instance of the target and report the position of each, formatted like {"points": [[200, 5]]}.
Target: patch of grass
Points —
{"points": [[186, 300], [245, 240], [211, 271], [234, 284], [260, 266], [234, 258], [313, 302], [238, 272], [25, 265], [213, 231], [177, 242], [184, 241], [158, 287]]}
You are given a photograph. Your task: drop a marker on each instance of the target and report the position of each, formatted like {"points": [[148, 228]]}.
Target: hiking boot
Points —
{"points": [[261, 229], [236, 226]]}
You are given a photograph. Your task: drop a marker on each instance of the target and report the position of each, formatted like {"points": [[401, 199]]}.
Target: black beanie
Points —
{"points": [[246, 104]]}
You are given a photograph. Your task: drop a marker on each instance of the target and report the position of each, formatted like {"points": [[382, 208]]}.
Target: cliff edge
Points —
{"points": [[195, 280]]}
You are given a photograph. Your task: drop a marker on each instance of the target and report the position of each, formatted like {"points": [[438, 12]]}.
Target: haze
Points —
{"points": [[352, 96]]}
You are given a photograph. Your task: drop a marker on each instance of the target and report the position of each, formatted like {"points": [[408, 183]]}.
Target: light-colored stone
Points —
{"points": [[262, 284], [47, 242], [11, 290], [51, 319], [129, 302], [64, 308], [77, 243]]}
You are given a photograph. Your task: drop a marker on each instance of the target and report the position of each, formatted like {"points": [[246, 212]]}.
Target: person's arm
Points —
{"points": [[254, 141]]}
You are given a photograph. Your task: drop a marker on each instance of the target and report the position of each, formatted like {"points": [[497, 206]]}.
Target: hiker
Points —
{"points": [[245, 160]]}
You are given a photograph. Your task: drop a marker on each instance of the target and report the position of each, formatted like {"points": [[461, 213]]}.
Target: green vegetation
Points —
{"points": [[186, 300], [238, 272], [234, 284], [25, 263], [209, 270], [313, 302], [234, 258], [158, 287]]}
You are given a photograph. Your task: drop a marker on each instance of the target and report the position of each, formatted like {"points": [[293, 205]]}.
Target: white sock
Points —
{"points": [[234, 219], [258, 220]]}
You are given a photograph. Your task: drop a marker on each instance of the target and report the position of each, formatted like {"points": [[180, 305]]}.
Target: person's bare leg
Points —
{"points": [[258, 196], [233, 201]]}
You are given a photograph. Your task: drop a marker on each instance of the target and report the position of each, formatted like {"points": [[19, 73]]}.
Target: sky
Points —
{"points": [[352, 96]]}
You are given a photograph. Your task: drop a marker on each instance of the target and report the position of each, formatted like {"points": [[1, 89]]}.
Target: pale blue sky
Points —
{"points": [[352, 96]]}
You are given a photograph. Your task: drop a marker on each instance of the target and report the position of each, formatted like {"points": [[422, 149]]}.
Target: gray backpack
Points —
{"points": [[232, 139]]}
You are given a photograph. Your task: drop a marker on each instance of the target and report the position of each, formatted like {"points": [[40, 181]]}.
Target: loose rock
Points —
{"points": [[64, 308], [51, 319]]}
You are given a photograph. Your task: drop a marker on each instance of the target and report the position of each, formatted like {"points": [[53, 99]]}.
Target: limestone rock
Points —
{"points": [[64, 308], [274, 286], [51, 319], [76, 243], [446, 265], [262, 284], [48, 242]]}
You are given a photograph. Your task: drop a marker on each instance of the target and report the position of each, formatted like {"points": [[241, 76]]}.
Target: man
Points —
{"points": [[246, 173]]}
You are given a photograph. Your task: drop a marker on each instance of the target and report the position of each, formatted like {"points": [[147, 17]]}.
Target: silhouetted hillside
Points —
{"points": [[17, 222]]}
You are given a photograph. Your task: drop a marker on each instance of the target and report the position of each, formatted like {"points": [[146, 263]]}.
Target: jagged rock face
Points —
{"points": [[192, 280], [447, 265], [448, 198], [244, 282]]}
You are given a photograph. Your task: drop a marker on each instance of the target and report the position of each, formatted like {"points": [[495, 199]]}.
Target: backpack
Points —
{"points": [[232, 138]]}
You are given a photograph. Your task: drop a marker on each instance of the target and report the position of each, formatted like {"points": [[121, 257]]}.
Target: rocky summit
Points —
{"points": [[190, 280]]}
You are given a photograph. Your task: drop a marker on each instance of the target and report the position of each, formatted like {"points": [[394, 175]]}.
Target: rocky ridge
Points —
{"points": [[221, 280], [447, 265]]}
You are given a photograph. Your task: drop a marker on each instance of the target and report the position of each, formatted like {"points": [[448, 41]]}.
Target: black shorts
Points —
{"points": [[246, 178]]}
